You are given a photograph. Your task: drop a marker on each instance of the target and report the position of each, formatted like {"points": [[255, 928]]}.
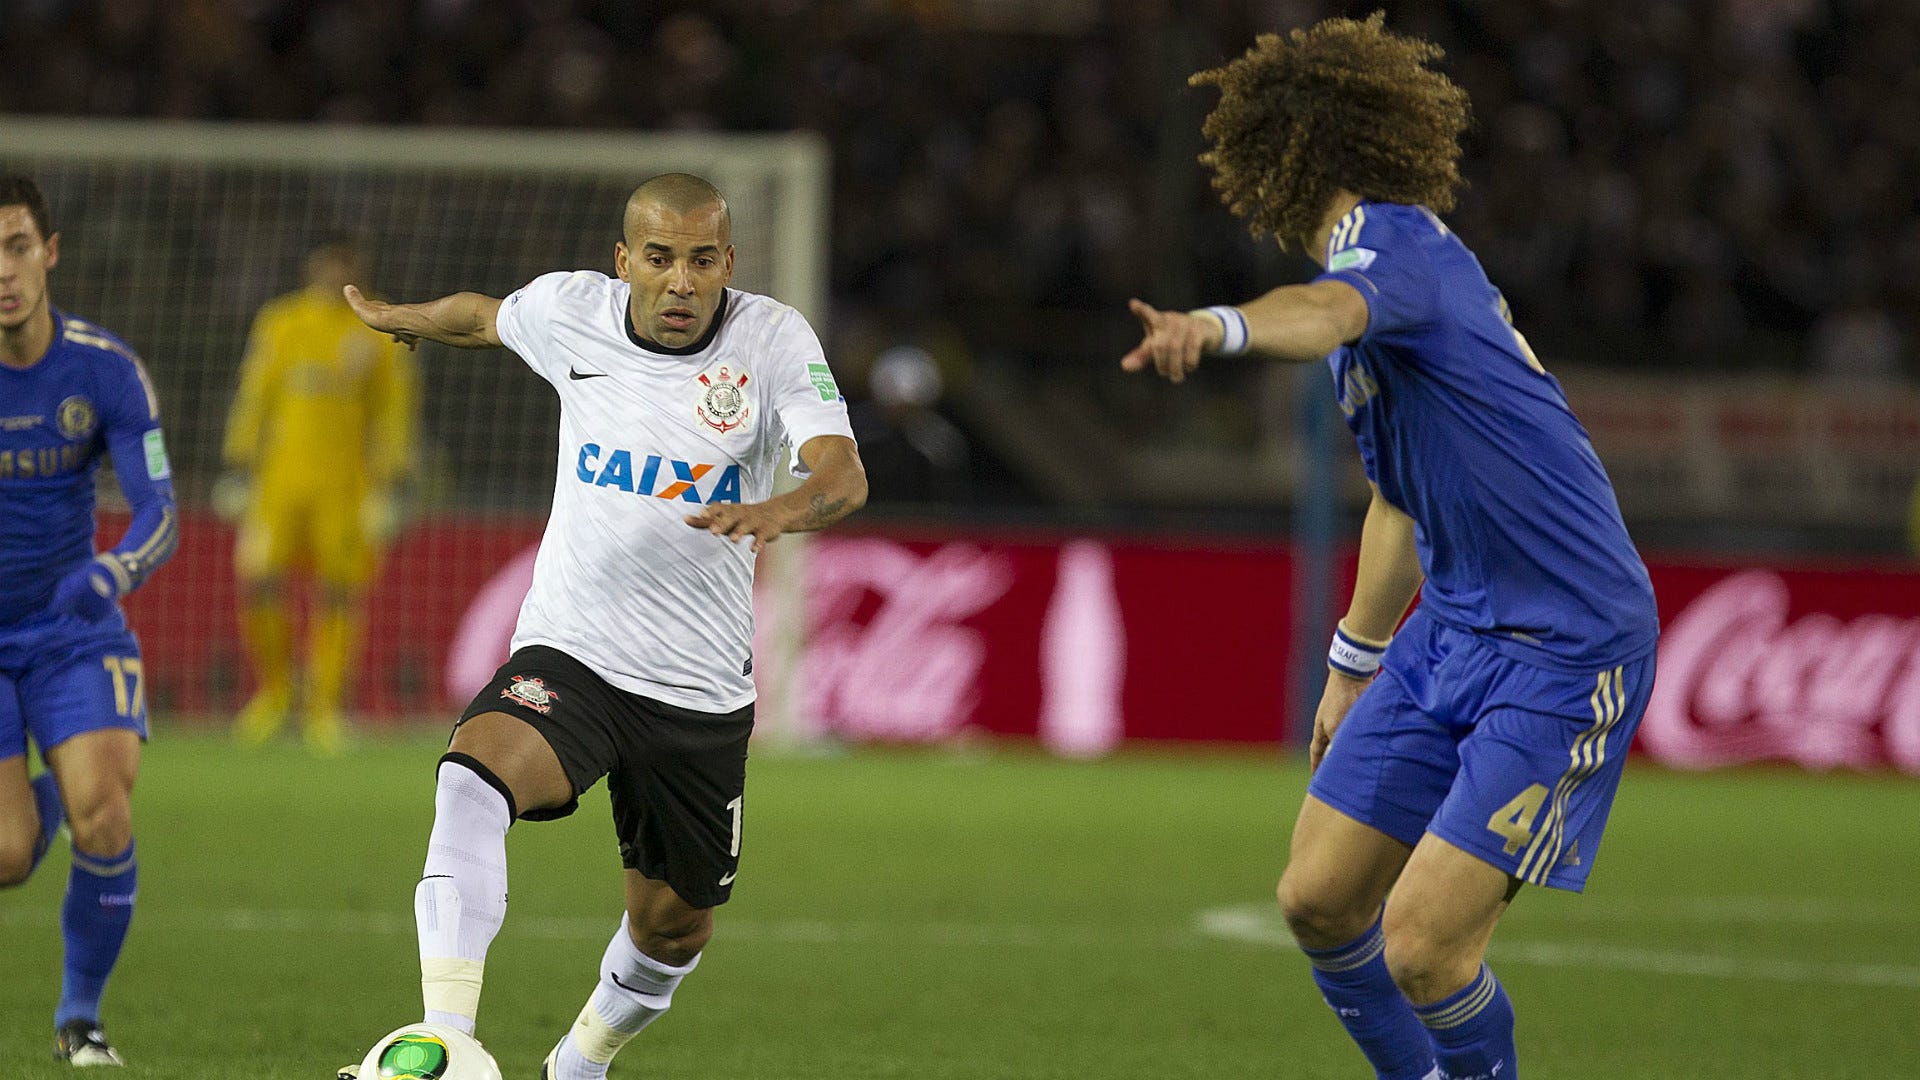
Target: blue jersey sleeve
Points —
{"points": [[1391, 272], [131, 426]]}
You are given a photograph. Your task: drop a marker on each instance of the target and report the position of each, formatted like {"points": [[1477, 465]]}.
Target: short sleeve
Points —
{"points": [[1388, 268], [805, 395], [525, 317]]}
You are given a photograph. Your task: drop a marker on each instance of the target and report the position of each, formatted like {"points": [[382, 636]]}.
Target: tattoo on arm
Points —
{"points": [[822, 511]]}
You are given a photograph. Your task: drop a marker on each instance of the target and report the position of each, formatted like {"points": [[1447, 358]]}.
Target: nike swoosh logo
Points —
{"points": [[728, 880], [577, 375], [628, 989]]}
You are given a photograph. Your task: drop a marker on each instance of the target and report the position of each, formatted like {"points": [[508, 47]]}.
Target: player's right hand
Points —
{"points": [[88, 592], [1341, 692], [379, 315], [1172, 342]]}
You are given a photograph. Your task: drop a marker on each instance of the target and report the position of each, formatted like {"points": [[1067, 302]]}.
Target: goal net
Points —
{"points": [[173, 235]]}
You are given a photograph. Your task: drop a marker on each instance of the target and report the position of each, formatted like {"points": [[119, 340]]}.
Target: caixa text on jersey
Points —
{"points": [[659, 477]]}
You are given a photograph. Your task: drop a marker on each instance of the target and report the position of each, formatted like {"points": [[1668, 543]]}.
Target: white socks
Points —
{"points": [[634, 990], [462, 896]]}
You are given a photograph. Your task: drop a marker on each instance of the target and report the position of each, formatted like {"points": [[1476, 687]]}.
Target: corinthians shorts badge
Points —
{"points": [[532, 693], [723, 404], [76, 418]]}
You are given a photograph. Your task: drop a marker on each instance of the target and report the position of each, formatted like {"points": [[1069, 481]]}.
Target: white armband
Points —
{"points": [[1352, 657], [1234, 337]]}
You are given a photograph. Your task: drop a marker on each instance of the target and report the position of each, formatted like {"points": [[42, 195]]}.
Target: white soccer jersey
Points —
{"points": [[647, 436]]}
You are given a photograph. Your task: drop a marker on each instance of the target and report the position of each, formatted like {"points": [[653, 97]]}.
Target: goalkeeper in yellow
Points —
{"points": [[321, 433]]}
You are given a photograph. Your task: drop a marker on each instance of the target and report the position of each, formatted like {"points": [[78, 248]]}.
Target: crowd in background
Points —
{"points": [[1716, 184]]}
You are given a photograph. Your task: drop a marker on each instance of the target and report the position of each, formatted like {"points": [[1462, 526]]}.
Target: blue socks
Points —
{"points": [[1473, 1031], [46, 799], [94, 921], [1356, 985]]}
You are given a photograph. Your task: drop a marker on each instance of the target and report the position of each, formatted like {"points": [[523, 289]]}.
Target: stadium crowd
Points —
{"points": [[1722, 184]]}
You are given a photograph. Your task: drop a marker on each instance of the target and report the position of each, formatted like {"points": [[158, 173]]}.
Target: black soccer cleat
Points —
{"points": [[82, 1044], [348, 1072]]}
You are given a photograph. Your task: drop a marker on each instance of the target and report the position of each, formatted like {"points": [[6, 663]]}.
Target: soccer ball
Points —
{"points": [[428, 1052]]}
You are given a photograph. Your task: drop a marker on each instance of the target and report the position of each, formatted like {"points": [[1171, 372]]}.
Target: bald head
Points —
{"points": [[678, 194], [676, 254]]}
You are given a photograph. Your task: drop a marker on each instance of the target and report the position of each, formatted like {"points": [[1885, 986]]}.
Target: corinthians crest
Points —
{"points": [[723, 402], [533, 693]]}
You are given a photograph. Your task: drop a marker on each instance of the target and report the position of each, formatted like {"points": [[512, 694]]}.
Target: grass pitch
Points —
{"points": [[938, 916]]}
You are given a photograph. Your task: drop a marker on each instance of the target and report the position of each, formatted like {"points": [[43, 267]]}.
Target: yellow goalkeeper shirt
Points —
{"points": [[323, 400]]}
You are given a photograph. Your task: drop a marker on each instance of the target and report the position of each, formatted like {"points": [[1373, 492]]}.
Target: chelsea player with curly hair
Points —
{"points": [[70, 671], [1480, 746]]}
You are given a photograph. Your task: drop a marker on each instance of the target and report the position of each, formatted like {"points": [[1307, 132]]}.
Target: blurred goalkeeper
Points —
{"points": [[321, 434]]}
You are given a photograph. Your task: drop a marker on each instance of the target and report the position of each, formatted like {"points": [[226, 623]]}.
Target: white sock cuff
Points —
{"points": [[462, 784], [624, 956]]}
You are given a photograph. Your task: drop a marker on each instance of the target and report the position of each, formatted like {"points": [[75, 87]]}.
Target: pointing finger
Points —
{"points": [[1145, 312]]}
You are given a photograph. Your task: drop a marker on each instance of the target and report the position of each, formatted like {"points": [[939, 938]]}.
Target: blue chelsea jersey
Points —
{"points": [[86, 398], [1518, 530]]}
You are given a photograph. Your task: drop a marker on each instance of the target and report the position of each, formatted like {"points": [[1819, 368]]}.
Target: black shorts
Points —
{"points": [[678, 777]]}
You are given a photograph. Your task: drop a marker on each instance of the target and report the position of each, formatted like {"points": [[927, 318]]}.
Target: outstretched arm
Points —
{"points": [[836, 487], [466, 320], [1293, 322]]}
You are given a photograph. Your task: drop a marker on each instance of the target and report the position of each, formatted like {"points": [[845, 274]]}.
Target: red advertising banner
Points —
{"points": [[1086, 641], [1816, 666]]}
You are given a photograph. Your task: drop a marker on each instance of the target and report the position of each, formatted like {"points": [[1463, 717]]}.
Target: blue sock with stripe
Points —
{"points": [[94, 921], [1355, 984], [46, 800], [1472, 1031]]}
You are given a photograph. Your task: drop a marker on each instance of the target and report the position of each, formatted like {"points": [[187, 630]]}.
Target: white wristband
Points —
{"points": [[1233, 329], [1352, 657]]}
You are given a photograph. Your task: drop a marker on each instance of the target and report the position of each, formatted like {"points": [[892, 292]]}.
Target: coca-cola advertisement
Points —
{"points": [[1817, 666], [1085, 642]]}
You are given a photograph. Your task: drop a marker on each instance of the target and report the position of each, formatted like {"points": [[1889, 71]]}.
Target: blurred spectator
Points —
{"points": [[912, 453], [1652, 182]]}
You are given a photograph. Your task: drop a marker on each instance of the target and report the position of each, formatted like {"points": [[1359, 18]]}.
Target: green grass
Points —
{"points": [[932, 916]]}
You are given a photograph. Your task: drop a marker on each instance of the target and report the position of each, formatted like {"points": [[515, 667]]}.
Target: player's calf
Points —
{"points": [[664, 927], [635, 989]]}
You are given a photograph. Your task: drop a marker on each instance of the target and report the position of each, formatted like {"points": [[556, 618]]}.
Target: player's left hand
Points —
{"points": [[734, 522], [89, 593], [1172, 342]]}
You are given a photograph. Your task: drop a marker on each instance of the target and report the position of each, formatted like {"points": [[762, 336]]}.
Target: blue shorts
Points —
{"points": [[61, 676], [1514, 763]]}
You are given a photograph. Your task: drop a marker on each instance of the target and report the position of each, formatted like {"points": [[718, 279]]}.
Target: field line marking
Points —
{"points": [[1255, 926], [1244, 924]]}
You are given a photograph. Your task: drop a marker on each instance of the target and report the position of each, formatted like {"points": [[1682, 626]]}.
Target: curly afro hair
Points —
{"points": [[1342, 104]]}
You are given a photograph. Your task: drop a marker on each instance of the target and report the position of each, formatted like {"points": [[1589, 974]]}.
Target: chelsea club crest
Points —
{"points": [[723, 400], [76, 417]]}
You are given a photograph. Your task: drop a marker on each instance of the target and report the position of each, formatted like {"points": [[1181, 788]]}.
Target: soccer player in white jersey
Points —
{"points": [[632, 656]]}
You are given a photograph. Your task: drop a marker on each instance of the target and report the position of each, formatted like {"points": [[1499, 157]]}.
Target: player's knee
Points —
{"points": [[1426, 969], [16, 859], [672, 938], [104, 828], [1318, 918]]}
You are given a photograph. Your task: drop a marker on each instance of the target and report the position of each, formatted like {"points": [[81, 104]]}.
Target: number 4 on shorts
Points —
{"points": [[1514, 821]]}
